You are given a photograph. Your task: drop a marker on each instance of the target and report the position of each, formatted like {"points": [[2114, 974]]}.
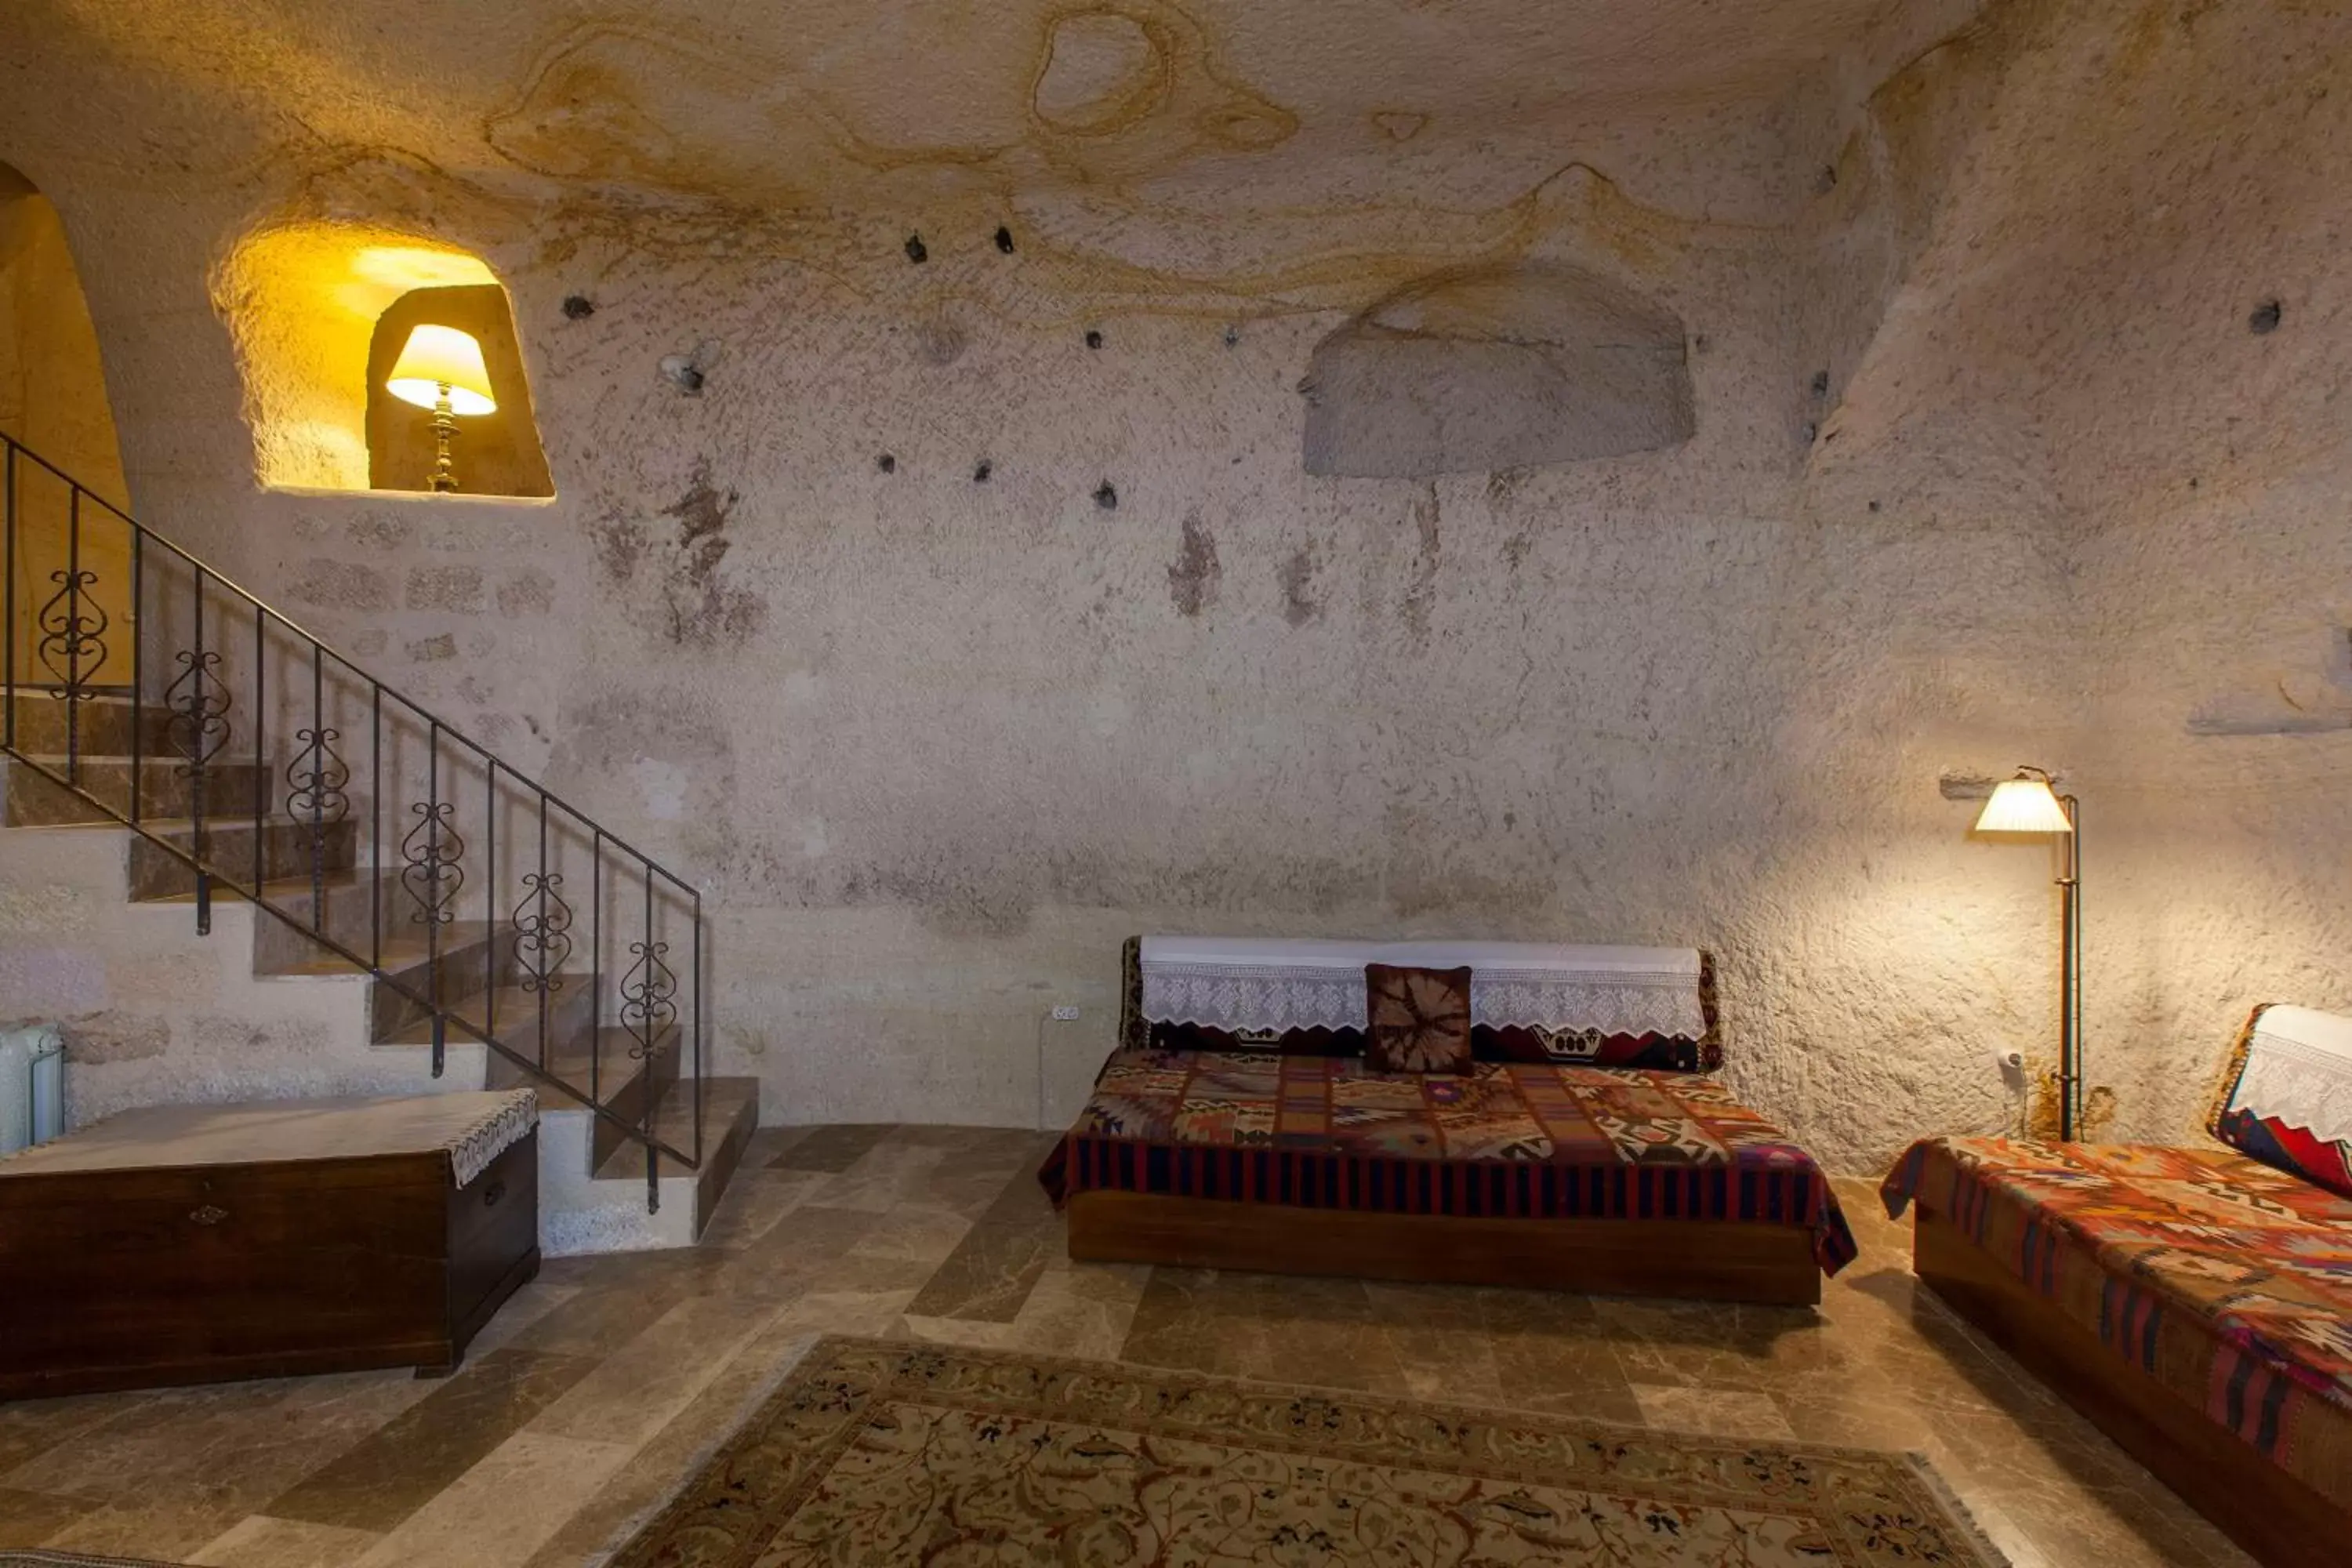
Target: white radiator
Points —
{"points": [[32, 1086]]}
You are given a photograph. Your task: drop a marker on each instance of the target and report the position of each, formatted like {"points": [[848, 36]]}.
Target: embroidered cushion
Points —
{"points": [[2289, 1102], [1419, 1018]]}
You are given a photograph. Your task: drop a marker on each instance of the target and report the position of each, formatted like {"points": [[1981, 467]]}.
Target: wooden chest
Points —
{"points": [[143, 1251]]}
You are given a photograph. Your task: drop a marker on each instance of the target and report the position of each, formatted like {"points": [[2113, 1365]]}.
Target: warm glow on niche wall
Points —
{"points": [[307, 305]]}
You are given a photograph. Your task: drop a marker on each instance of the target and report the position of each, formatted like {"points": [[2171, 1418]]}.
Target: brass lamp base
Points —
{"points": [[445, 430]]}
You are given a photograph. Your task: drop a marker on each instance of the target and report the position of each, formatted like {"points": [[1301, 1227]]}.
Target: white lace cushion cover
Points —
{"points": [[2299, 1072], [1237, 984]]}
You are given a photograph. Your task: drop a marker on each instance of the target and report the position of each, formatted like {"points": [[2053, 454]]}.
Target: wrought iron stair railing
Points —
{"points": [[151, 689]]}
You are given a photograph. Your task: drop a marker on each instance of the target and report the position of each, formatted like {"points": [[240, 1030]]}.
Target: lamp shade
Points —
{"points": [[435, 357], [2023, 804]]}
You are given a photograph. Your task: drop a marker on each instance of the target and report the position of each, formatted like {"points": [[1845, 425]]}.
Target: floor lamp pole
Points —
{"points": [[2070, 976]]}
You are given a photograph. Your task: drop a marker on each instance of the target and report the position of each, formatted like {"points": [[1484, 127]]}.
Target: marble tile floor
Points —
{"points": [[599, 1387]]}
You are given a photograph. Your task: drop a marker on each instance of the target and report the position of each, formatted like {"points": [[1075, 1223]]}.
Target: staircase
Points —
{"points": [[429, 917]]}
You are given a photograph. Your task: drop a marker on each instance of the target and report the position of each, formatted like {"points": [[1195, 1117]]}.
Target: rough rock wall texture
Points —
{"points": [[1966, 305]]}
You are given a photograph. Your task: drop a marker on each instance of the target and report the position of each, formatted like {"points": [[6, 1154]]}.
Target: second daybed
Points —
{"points": [[2194, 1303], [1239, 1125]]}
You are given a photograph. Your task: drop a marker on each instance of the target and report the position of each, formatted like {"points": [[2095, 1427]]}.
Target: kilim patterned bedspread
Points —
{"points": [[1511, 1139], [2228, 1281]]}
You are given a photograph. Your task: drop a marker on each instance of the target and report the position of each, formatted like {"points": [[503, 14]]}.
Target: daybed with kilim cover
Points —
{"points": [[2196, 1303], [1239, 1125]]}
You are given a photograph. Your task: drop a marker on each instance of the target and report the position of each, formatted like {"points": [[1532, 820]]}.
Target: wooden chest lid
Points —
{"points": [[474, 1128]]}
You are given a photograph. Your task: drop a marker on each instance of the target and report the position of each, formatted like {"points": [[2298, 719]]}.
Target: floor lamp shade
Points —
{"points": [[2024, 805]]}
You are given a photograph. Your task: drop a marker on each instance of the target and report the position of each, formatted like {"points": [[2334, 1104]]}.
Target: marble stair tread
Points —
{"points": [[615, 1071], [40, 793], [725, 1102], [516, 1013], [276, 890], [166, 759], [227, 823], [40, 719], [459, 938]]}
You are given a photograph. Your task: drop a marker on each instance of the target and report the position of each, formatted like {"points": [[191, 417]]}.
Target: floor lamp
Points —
{"points": [[2027, 804]]}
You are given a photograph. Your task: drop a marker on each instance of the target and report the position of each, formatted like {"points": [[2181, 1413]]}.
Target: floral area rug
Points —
{"points": [[887, 1452]]}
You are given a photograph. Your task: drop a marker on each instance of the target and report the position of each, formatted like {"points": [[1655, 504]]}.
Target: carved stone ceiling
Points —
{"points": [[810, 104]]}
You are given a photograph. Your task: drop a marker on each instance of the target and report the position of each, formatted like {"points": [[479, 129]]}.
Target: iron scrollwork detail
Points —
{"points": [[542, 932], [316, 777], [198, 702], [73, 634], [431, 873], [649, 1010]]}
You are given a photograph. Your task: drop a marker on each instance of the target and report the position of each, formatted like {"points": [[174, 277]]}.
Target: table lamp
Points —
{"points": [[441, 368], [2027, 804]]}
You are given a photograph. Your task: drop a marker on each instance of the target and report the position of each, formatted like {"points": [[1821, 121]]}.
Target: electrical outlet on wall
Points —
{"points": [[1066, 1014]]}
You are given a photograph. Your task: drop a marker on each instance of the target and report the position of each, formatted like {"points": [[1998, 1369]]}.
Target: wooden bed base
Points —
{"points": [[1712, 1260], [2276, 1518]]}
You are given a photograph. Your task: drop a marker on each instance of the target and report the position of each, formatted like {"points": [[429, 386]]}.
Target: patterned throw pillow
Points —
{"points": [[2289, 1100], [1419, 1019]]}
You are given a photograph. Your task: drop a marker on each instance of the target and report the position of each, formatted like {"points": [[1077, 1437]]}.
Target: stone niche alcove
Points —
{"points": [[1496, 368], [318, 312]]}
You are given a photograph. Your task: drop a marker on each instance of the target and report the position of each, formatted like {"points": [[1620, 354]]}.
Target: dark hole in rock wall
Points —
{"points": [[1515, 366]]}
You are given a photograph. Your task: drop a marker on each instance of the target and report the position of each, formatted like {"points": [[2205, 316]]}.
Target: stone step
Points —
{"points": [[617, 1076], [453, 963], [511, 1014], [102, 722], [287, 852], [167, 789], [730, 1114], [338, 908]]}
